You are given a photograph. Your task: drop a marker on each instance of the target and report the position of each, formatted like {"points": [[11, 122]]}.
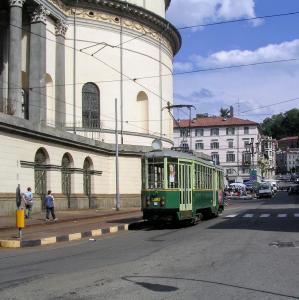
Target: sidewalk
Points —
{"points": [[71, 225]]}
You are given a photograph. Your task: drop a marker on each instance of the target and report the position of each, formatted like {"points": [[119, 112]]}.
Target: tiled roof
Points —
{"points": [[289, 138], [215, 121]]}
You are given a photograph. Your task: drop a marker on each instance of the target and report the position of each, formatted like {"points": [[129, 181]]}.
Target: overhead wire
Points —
{"points": [[178, 73], [239, 20], [270, 105]]}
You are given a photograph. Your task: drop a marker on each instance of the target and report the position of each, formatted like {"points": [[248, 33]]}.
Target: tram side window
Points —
{"points": [[203, 176], [197, 176], [209, 176], [221, 180], [156, 175], [172, 175]]}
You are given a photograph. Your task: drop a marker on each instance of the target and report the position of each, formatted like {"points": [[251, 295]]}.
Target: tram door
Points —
{"points": [[185, 183]]}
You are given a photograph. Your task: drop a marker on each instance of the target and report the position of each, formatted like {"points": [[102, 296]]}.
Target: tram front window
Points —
{"points": [[172, 175], [155, 175]]}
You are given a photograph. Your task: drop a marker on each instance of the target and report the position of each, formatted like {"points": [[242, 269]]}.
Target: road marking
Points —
{"points": [[248, 216], [296, 215], [282, 215], [264, 215], [230, 216]]}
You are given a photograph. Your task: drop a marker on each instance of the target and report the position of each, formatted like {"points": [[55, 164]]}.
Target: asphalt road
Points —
{"points": [[250, 252]]}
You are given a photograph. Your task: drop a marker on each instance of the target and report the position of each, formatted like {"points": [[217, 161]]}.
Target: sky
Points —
{"points": [[247, 89]]}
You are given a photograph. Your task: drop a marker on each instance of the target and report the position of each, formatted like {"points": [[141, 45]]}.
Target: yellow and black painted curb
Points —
{"points": [[66, 237]]}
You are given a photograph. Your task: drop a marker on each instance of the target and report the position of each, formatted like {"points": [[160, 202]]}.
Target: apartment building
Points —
{"points": [[268, 147], [288, 161], [232, 143]]}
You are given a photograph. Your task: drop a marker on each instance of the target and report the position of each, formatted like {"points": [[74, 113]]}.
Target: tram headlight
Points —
{"points": [[163, 202]]}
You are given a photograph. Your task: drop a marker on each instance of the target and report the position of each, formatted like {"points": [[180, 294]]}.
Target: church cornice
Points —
{"points": [[134, 13], [167, 3]]}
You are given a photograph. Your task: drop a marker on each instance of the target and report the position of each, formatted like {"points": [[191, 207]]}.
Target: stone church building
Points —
{"points": [[62, 65]]}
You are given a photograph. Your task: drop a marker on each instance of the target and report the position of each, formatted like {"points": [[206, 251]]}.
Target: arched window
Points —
{"points": [[90, 106], [143, 111], [40, 171], [66, 176]]}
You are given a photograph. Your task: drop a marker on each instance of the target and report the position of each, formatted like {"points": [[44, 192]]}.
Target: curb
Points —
{"points": [[66, 237], [77, 218]]}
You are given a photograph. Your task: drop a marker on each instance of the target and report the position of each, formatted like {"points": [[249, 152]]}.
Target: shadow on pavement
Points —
{"points": [[137, 280], [282, 198]]}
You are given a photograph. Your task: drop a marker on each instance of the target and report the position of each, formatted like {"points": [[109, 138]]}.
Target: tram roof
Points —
{"points": [[177, 154]]}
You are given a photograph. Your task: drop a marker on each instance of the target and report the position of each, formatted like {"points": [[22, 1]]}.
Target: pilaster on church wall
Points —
{"points": [[50, 67], [69, 70], [25, 47]]}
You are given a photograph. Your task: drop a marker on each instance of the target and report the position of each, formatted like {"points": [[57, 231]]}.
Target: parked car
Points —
{"points": [[265, 190], [293, 189]]}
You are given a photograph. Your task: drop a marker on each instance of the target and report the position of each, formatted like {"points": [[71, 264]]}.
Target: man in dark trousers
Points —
{"points": [[49, 204]]}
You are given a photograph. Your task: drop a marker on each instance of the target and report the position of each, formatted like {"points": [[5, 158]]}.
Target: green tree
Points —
{"points": [[224, 112], [282, 125]]}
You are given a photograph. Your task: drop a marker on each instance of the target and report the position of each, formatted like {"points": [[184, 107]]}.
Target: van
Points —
{"points": [[265, 190]]}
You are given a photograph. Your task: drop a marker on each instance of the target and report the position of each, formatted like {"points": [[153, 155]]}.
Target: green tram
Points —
{"points": [[179, 186]]}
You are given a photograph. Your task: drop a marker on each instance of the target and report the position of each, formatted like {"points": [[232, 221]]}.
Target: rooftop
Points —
{"points": [[215, 121], [289, 138]]}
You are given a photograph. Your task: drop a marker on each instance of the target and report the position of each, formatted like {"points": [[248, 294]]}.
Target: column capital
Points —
{"points": [[39, 14], [61, 28], [18, 3]]}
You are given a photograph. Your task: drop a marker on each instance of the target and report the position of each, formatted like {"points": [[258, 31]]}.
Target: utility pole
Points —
{"points": [[117, 198], [121, 83], [238, 142]]}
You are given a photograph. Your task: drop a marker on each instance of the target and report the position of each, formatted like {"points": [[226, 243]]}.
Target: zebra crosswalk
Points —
{"points": [[262, 215]]}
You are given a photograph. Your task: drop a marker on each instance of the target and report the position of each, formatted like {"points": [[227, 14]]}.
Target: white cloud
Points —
{"points": [[286, 50], [253, 86], [190, 12], [183, 66]]}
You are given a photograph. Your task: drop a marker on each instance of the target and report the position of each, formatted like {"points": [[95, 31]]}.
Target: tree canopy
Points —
{"points": [[282, 125], [224, 112]]}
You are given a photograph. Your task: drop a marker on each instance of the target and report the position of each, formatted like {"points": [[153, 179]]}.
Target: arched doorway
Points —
{"points": [[66, 176], [40, 173], [87, 167]]}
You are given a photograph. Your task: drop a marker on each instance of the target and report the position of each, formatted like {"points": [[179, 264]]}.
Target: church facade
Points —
{"points": [[65, 68]]}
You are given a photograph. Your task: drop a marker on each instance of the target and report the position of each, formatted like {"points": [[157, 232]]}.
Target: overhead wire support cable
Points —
{"points": [[239, 20]]}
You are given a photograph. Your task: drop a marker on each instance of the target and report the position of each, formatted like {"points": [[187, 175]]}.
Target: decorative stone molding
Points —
{"points": [[135, 18], [61, 28], [39, 15], [18, 3]]}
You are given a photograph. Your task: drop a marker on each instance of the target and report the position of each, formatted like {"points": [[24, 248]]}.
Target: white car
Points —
{"points": [[265, 190]]}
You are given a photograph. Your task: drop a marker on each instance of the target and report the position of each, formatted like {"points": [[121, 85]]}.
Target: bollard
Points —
{"points": [[20, 220]]}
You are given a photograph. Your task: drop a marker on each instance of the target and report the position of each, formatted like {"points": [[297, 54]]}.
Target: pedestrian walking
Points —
{"points": [[28, 200], [49, 204]]}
